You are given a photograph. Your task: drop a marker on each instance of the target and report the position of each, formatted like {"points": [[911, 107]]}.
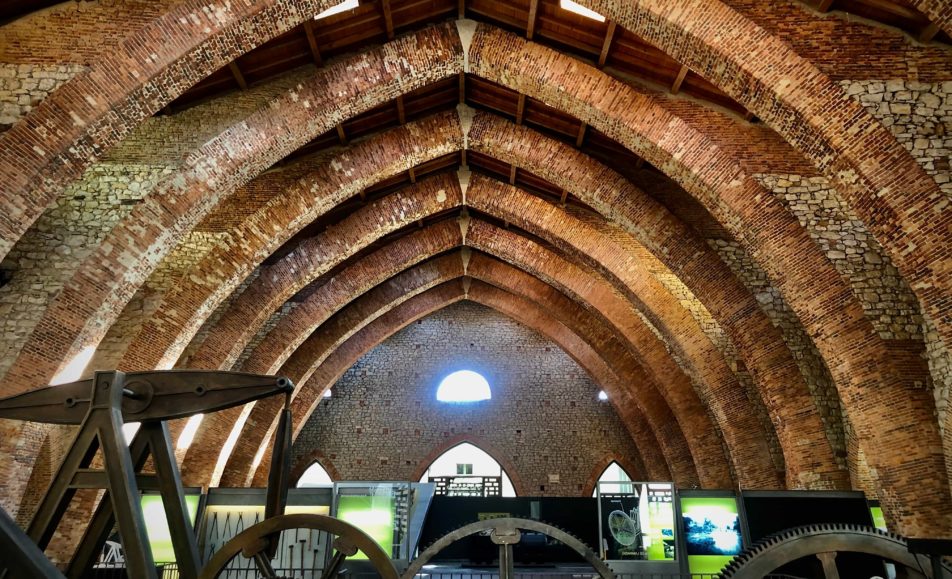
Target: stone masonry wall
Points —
{"points": [[383, 419], [919, 115]]}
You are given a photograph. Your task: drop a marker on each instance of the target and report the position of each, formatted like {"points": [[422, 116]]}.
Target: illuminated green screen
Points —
{"points": [[659, 525], [372, 515], [879, 520], [711, 531], [157, 526]]}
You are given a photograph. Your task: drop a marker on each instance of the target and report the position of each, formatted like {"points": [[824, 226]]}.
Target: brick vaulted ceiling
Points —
{"points": [[734, 215]]}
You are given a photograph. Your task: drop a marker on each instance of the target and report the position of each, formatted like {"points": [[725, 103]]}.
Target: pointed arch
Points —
{"points": [[305, 462], [602, 465], [450, 443]]}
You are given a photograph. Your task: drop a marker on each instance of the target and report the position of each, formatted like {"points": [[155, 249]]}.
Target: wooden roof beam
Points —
{"points": [[462, 88], [512, 174], [824, 5], [341, 134], [312, 43], [520, 109], [236, 72], [607, 43], [580, 137], [401, 111], [928, 32], [565, 195], [412, 175], [387, 18], [679, 80], [533, 16], [461, 9]]}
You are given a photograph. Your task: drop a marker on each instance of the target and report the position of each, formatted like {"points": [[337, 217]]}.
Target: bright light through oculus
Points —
{"points": [[581, 10], [463, 386], [342, 7], [602, 396]]}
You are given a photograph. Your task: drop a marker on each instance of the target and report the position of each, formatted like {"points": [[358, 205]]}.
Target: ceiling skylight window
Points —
{"points": [[602, 396], [581, 10], [342, 7], [463, 386]]}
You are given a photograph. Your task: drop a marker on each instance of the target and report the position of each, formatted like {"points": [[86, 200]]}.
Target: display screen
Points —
{"points": [[712, 532], [879, 520], [372, 515], [637, 521], [157, 525]]}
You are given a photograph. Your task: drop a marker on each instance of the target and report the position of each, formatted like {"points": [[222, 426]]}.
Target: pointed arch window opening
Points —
{"points": [[315, 476], [614, 479], [467, 470]]}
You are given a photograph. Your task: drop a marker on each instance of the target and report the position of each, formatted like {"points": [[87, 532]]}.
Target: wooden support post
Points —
{"points": [[312, 43], [607, 43], [512, 174], [341, 134], [679, 80], [533, 16], [387, 18], [236, 72], [520, 109], [580, 137], [401, 111]]}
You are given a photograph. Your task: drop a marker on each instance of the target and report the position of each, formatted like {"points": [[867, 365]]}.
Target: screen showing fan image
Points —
{"points": [[621, 530]]}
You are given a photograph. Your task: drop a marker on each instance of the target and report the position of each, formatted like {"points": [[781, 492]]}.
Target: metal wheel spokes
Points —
{"points": [[254, 542]]}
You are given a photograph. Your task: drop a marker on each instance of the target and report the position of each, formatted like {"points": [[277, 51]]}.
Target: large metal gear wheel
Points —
{"points": [[505, 532], [253, 543], [771, 553]]}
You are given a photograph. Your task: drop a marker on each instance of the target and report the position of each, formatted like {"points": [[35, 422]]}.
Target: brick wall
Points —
{"points": [[383, 419]]}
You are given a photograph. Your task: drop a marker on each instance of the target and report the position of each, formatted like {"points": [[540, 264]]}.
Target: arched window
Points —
{"points": [[314, 476], [463, 386], [614, 479], [467, 470]]}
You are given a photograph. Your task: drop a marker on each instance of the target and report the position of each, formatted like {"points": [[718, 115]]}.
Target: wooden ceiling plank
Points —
{"points": [[606, 45], [533, 14], [676, 86], [236, 72], [312, 43], [520, 109], [387, 18]]}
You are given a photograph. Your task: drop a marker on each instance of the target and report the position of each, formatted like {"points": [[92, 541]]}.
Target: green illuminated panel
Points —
{"points": [[157, 526], [372, 515]]}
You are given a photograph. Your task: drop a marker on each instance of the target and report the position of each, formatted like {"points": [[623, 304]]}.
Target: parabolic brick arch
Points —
{"points": [[732, 220]]}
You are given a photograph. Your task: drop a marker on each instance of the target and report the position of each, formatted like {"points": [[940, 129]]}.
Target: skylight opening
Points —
{"points": [[188, 433], [581, 10], [463, 386], [602, 395], [342, 7]]}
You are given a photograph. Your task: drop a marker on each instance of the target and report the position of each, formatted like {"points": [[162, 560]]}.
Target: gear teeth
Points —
{"points": [[736, 567]]}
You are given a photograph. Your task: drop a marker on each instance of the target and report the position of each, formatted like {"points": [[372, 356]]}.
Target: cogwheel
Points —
{"points": [[774, 551]]}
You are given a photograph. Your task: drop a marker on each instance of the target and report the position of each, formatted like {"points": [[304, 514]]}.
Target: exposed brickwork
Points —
{"points": [[350, 283], [862, 49], [140, 75], [717, 388], [532, 391], [883, 184], [287, 210], [109, 277], [865, 368], [67, 234], [669, 240]]}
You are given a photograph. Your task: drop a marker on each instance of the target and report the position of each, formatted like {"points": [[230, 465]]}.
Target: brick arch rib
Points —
{"points": [[863, 365], [345, 355]]}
